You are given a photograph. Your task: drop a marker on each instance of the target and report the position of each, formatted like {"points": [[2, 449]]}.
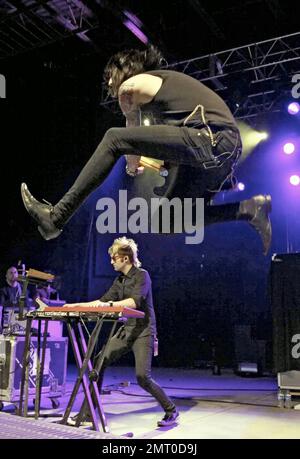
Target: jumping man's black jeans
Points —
{"points": [[177, 145]]}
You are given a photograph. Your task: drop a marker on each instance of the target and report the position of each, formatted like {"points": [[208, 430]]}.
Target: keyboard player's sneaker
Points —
{"points": [[85, 422], [169, 419]]}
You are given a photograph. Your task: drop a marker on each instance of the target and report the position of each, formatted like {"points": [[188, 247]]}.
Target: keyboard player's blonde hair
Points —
{"points": [[126, 247]]}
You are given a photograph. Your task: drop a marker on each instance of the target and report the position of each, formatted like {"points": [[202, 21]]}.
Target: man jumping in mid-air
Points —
{"points": [[191, 125]]}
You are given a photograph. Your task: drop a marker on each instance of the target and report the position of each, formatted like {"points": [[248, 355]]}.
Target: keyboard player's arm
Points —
{"points": [[88, 304], [111, 294], [128, 303], [111, 297], [138, 292]]}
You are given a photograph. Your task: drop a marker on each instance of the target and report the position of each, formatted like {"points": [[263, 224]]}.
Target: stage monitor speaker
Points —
{"points": [[289, 380], [285, 303]]}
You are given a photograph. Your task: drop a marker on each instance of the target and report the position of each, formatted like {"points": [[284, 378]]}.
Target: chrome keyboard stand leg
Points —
{"points": [[82, 367], [25, 371], [93, 387], [40, 363], [93, 384]]}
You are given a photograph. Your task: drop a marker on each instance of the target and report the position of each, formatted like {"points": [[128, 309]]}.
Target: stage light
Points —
{"points": [[146, 122], [133, 18], [289, 148], [293, 108], [295, 180], [136, 31], [250, 138], [262, 135], [255, 137], [241, 186]]}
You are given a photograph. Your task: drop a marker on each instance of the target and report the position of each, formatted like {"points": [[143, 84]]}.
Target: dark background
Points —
{"points": [[51, 121]]}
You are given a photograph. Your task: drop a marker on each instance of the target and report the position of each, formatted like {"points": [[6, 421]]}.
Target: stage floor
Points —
{"points": [[212, 407]]}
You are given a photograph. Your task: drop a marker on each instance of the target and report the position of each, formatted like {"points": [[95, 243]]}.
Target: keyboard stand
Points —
{"points": [[88, 372], [94, 375], [87, 375], [40, 363]]}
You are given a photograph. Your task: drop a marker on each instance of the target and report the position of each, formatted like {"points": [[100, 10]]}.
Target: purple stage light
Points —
{"points": [[289, 148], [133, 18], [241, 186], [293, 108], [136, 31], [295, 180]]}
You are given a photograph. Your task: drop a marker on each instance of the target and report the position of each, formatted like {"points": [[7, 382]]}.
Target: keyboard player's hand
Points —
{"points": [[41, 304]]}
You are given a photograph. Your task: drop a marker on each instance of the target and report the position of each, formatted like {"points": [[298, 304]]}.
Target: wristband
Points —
{"points": [[131, 173]]}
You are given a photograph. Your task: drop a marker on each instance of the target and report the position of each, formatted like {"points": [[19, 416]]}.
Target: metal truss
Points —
{"points": [[30, 24], [26, 25], [254, 79]]}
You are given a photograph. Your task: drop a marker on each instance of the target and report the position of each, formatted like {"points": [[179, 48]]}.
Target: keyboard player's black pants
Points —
{"points": [[142, 347]]}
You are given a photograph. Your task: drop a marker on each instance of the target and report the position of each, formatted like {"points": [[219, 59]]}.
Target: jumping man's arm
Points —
{"points": [[130, 108], [128, 101], [133, 93]]}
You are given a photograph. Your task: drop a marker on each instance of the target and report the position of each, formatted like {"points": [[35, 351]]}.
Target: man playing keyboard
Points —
{"points": [[132, 289]]}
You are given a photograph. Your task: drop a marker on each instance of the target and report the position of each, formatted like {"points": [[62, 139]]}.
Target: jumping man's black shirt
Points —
{"points": [[178, 97], [135, 284]]}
